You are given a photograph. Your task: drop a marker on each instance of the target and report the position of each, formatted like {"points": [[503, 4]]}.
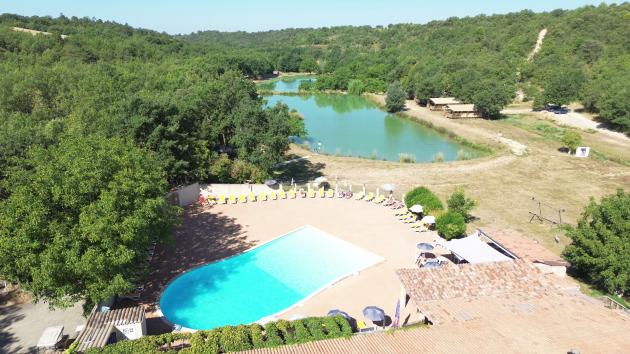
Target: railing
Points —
{"points": [[614, 304]]}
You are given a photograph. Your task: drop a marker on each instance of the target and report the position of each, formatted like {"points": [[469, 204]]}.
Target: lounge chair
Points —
{"points": [[321, 193], [311, 194], [402, 211], [292, 194], [330, 193], [273, 196], [283, 194], [252, 197], [369, 197], [380, 199], [359, 196], [262, 197], [242, 198], [222, 199], [232, 199]]}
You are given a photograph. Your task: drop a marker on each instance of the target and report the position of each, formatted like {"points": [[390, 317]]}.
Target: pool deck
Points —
{"points": [[211, 233]]}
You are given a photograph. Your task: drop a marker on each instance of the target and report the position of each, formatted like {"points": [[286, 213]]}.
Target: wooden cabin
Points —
{"points": [[440, 103], [454, 111]]}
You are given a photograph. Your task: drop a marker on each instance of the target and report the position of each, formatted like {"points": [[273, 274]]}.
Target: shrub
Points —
{"points": [[256, 335], [395, 100], [315, 327], [235, 339], [450, 225], [301, 333], [331, 327], [346, 329], [458, 203], [272, 334], [423, 196], [205, 342], [439, 157], [571, 139], [406, 158], [356, 87]]}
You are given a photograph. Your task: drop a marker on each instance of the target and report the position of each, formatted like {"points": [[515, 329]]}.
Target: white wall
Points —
{"points": [[217, 189], [186, 195], [131, 331]]}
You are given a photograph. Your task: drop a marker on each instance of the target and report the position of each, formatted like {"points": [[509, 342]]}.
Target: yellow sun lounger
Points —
{"points": [[252, 197], [401, 211], [273, 196], [222, 199], [232, 199], [283, 195], [330, 193], [359, 196], [262, 197], [242, 198], [292, 194], [380, 199], [321, 193], [369, 197], [311, 194]]}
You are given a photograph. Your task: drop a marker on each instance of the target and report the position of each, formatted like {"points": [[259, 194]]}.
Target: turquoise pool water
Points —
{"points": [[263, 281]]}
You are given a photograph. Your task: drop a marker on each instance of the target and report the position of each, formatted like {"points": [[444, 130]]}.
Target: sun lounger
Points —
{"points": [[242, 198], [321, 193], [252, 197], [330, 193], [359, 196], [273, 196], [232, 199], [262, 197], [380, 199], [311, 194], [283, 195], [369, 197], [222, 199], [292, 194], [402, 211]]}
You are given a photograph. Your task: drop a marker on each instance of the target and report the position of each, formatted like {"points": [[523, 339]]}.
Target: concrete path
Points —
{"points": [[22, 325]]}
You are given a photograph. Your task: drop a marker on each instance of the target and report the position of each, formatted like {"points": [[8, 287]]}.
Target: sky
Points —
{"points": [[186, 16]]}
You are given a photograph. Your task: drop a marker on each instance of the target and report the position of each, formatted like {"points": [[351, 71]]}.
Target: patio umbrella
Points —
{"points": [[336, 312], [423, 246], [319, 180], [378, 190], [374, 314], [270, 182], [417, 208], [388, 187], [429, 219]]}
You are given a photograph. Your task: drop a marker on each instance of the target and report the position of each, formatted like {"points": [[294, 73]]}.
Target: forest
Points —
{"points": [[585, 57], [96, 127]]}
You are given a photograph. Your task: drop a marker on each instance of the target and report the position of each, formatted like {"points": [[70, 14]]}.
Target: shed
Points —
{"points": [[111, 326], [462, 111], [440, 103]]}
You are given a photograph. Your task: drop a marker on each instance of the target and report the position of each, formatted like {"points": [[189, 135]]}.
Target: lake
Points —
{"points": [[347, 125]]}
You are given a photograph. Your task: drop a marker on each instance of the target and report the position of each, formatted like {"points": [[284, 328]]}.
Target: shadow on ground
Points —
{"points": [[202, 238], [300, 171], [8, 316]]}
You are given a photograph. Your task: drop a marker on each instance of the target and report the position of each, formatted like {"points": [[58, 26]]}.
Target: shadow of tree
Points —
{"points": [[203, 237], [300, 171], [8, 316]]}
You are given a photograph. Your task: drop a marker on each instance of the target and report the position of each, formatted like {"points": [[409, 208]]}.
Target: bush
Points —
{"points": [[439, 157], [346, 329], [458, 203], [315, 327], [571, 139], [395, 100], [302, 335], [356, 87], [205, 342], [235, 339], [331, 327], [406, 158], [450, 225], [272, 334], [256, 334], [423, 196]]}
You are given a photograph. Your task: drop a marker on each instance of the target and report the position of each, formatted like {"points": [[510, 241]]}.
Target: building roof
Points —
{"points": [[100, 324], [461, 108], [473, 250], [523, 246], [444, 100]]}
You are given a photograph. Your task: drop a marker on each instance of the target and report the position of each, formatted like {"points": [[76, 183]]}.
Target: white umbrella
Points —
{"points": [[417, 208], [388, 187], [378, 191], [321, 179], [364, 189], [429, 219]]}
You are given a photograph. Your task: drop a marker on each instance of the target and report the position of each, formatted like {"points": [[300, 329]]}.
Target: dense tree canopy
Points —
{"points": [[395, 100], [80, 216], [601, 243]]}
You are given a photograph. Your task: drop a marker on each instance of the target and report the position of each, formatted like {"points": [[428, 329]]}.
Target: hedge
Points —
{"points": [[450, 225], [235, 338], [423, 196]]}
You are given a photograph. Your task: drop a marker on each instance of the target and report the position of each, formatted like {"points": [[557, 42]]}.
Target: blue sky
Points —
{"points": [[185, 16]]}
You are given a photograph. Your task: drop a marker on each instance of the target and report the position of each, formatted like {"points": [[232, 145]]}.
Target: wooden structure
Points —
{"points": [[454, 111], [440, 103], [110, 326]]}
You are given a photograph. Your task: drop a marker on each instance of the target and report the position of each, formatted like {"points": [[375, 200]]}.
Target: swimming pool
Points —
{"points": [[262, 281]]}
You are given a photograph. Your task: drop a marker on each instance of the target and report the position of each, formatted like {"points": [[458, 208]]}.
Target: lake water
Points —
{"points": [[347, 125]]}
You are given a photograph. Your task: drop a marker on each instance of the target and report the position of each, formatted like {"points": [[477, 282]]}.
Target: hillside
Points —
{"points": [[482, 59]]}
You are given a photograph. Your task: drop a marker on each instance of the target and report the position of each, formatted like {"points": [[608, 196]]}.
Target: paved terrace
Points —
{"points": [[211, 233]]}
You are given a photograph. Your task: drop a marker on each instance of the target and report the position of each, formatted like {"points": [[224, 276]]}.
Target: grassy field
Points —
{"points": [[503, 184]]}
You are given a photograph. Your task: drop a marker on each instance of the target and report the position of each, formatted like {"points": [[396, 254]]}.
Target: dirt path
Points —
{"points": [[538, 46]]}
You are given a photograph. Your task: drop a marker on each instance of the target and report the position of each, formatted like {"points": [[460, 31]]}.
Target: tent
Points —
{"points": [[473, 250]]}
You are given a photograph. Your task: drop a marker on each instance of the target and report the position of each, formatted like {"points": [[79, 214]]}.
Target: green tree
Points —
{"points": [[563, 87], [571, 139], [356, 87], [458, 203], [451, 225], [600, 250], [395, 100], [79, 218]]}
